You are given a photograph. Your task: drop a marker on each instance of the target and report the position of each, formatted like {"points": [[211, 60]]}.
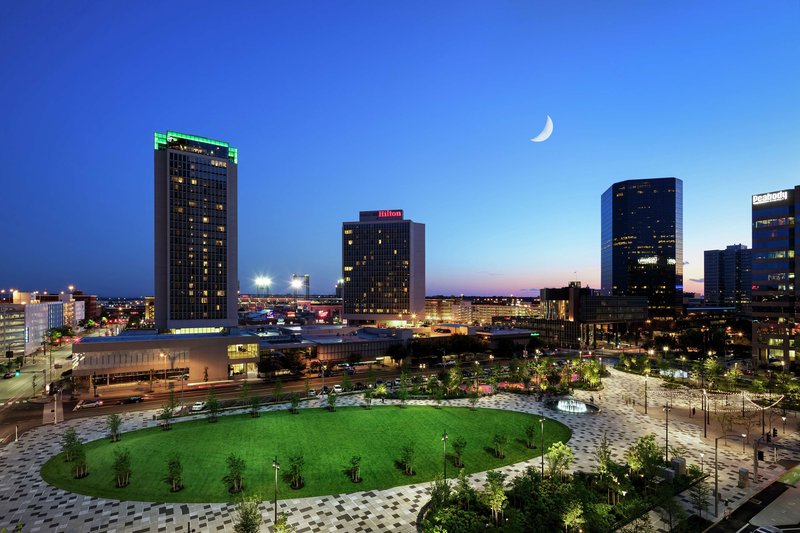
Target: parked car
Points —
{"points": [[198, 406], [396, 382], [337, 388], [8, 375], [312, 392], [131, 399], [325, 389], [359, 386]]}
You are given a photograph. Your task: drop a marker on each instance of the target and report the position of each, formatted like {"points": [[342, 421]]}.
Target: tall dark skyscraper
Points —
{"points": [[775, 269], [196, 274], [727, 277], [642, 243], [383, 268]]}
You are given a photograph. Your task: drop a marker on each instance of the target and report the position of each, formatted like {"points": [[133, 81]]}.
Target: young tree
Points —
{"points": [[295, 471], [113, 423], [277, 390], [122, 467], [402, 394], [602, 454], [559, 458], [244, 393], [530, 436], [645, 456], [307, 386], [381, 391], [255, 403], [407, 458], [700, 495], [438, 396], [34, 384], [80, 468], [282, 525], [440, 494], [174, 472], [355, 468], [465, 494], [295, 401], [459, 444], [368, 398], [499, 442], [346, 383], [165, 415], [213, 405], [473, 399], [234, 478], [248, 516], [332, 401], [454, 378], [68, 443], [494, 494], [573, 515]]}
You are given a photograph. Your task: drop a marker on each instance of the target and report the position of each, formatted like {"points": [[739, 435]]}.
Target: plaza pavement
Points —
{"points": [[25, 497]]}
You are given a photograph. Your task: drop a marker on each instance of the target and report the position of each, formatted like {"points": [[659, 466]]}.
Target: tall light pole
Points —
{"points": [[275, 466], [666, 448], [646, 378], [444, 453], [541, 421], [164, 357], [705, 412], [716, 467], [784, 424]]}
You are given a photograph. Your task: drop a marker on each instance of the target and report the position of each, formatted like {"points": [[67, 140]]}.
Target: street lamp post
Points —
{"points": [[276, 466], [784, 424], [744, 441], [444, 453], [667, 409], [541, 421], [646, 377], [702, 469], [601, 370], [705, 412], [716, 467]]}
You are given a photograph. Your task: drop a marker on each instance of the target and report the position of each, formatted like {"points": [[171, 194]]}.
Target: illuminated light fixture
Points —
{"points": [[160, 141]]}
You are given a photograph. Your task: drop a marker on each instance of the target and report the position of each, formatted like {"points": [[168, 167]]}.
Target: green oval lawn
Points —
{"points": [[327, 441]]}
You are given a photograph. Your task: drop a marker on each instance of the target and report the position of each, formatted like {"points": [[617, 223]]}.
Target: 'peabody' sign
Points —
{"points": [[770, 197]]}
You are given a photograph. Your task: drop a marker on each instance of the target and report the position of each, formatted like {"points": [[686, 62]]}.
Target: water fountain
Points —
{"points": [[571, 405]]}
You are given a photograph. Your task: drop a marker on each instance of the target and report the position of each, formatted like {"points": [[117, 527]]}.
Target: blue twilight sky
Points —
{"points": [[341, 106]]}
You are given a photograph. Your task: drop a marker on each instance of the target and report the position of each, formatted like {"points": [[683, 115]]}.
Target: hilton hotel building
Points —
{"points": [[774, 270], [383, 268]]}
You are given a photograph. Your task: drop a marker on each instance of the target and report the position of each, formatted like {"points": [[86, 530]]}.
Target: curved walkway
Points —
{"points": [[25, 497]]}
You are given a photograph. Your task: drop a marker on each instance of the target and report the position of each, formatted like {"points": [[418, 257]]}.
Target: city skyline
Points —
{"points": [[324, 121]]}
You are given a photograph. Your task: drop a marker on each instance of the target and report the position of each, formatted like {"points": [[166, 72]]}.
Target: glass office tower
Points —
{"points": [[774, 296], [195, 233], [383, 268], [727, 277], [642, 243]]}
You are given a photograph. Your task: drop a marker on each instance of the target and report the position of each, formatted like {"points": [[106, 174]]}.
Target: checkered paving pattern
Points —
{"points": [[25, 497]]}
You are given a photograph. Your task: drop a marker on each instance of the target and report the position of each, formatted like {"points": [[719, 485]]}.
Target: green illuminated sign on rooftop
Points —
{"points": [[161, 141]]}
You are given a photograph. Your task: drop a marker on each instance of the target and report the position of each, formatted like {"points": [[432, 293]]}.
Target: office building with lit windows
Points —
{"points": [[727, 277], [383, 268], [774, 270], [195, 233], [642, 243]]}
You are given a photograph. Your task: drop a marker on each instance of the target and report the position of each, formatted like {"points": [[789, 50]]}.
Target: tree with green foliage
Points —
{"points": [[33, 382], [368, 398], [355, 468], [255, 403], [454, 379], [407, 458], [346, 383], [438, 396], [122, 467], [494, 494], [295, 471], [282, 525], [69, 441], [174, 472], [499, 442], [294, 399], [234, 479], [459, 444], [645, 456], [381, 391], [700, 495], [402, 395], [572, 517], [473, 400], [247, 516], [244, 393], [277, 390], [80, 467], [602, 454], [559, 457], [165, 415], [332, 402], [212, 404], [530, 436], [465, 494], [113, 423], [307, 386], [440, 494]]}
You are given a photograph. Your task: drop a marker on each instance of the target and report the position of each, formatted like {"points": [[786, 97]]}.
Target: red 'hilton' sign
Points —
{"points": [[390, 214]]}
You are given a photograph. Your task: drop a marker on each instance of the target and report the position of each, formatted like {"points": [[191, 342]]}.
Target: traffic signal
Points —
{"points": [[769, 437], [760, 455], [16, 374], [774, 432]]}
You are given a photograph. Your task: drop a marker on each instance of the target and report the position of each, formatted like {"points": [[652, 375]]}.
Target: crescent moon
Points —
{"points": [[546, 132]]}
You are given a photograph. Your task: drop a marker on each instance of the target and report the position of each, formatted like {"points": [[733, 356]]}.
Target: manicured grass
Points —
{"points": [[326, 440], [791, 477]]}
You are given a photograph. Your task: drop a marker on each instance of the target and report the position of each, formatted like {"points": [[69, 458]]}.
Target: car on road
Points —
{"points": [[131, 399], [396, 382], [768, 529], [8, 375], [86, 404], [312, 392], [325, 389], [198, 406], [337, 388]]}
